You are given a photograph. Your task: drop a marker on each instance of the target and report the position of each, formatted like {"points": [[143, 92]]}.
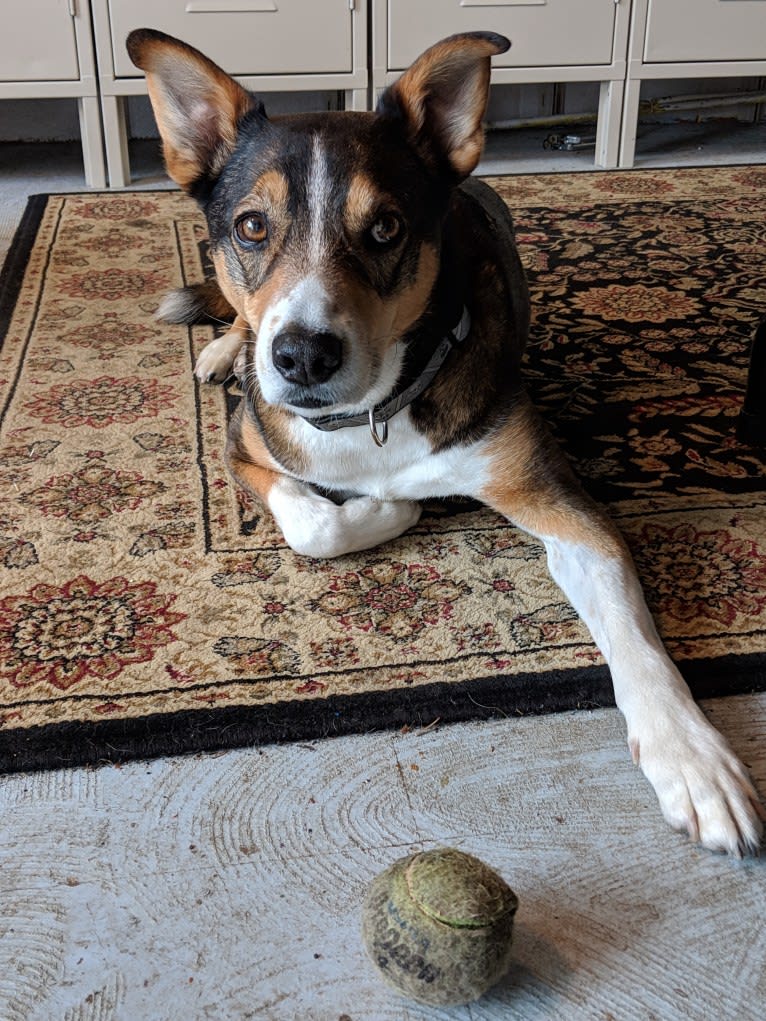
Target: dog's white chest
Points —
{"points": [[404, 468]]}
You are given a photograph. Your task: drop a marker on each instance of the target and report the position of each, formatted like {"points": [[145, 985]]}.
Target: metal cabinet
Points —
{"points": [[46, 52], [689, 39], [543, 33], [246, 37], [551, 41], [704, 30]]}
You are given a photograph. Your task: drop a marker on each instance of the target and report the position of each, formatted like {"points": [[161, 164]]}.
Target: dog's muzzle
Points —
{"points": [[402, 395], [306, 359]]}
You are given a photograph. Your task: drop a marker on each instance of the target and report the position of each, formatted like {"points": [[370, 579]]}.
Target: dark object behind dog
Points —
{"points": [[751, 426]]}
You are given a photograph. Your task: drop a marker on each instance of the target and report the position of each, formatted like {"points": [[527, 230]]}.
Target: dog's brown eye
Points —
{"points": [[385, 229], [251, 229]]}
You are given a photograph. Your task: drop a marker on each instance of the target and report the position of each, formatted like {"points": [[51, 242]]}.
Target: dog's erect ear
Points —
{"points": [[197, 105], [443, 97]]}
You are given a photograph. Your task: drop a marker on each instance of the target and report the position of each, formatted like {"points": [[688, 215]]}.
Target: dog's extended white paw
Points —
{"points": [[703, 788], [215, 360]]}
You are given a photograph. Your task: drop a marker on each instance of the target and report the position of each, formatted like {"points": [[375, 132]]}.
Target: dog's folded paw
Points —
{"points": [[315, 527], [703, 788], [215, 360], [364, 522], [390, 518]]}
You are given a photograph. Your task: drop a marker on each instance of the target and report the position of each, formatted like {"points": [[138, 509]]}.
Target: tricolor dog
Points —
{"points": [[379, 314]]}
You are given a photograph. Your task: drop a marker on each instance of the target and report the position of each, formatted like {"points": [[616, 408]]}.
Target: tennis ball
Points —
{"points": [[438, 926]]}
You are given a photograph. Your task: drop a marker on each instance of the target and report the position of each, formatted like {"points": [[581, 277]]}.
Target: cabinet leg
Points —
{"points": [[356, 99], [378, 83], [630, 122], [608, 129], [90, 135], [116, 138]]}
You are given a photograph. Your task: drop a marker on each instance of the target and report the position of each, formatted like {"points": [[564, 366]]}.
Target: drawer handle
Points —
{"points": [[229, 6], [502, 3]]}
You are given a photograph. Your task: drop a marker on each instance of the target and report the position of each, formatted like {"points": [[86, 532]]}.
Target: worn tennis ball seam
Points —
{"points": [[449, 923]]}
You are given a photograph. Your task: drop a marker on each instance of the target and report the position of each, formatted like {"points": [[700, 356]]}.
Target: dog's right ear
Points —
{"points": [[197, 106], [442, 99]]}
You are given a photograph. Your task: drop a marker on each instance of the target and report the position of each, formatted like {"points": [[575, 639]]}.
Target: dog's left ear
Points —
{"points": [[443, 97], [198, 107]]}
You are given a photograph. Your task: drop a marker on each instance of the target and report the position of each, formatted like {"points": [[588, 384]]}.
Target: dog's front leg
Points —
{"points": [[701, 785], [312, 524], [216, 358]]}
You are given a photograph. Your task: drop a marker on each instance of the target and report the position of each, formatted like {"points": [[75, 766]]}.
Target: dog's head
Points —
{"points": [[324, 228]]}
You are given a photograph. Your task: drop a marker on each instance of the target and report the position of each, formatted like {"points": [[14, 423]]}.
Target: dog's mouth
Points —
{"points": [[327, 401], [309, 403]]}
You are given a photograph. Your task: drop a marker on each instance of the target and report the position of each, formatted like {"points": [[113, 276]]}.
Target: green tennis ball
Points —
{"points": [[438, 926]]}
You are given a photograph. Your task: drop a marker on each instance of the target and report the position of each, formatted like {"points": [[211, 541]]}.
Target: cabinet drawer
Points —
{"points": [[246, 37], [543, 33], [38, 43], [689, 30]]}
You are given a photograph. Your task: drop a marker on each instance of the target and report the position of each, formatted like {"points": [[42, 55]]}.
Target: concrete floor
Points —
{"points": [[228, 887]]}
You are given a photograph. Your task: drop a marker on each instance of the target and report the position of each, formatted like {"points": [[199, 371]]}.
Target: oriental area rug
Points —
{"points": [[148, 608]]}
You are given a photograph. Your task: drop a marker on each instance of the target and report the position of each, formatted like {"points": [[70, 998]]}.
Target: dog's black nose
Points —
{"points": [[307, 358]]}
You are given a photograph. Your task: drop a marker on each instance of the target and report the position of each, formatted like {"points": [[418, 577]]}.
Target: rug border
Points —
{"points": [[201, 731]]}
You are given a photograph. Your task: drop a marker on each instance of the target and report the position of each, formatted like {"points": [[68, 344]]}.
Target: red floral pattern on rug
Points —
{"points": [[58, 635], [391, 598], [635, 303], [110, 335], [93, 493], [115, 207], [258, 656], [114, 284], [101, 402], [650, 187], [698, 575]]}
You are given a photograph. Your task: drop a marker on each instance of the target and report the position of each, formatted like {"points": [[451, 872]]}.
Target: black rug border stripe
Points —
{"points": [[198, 731]]}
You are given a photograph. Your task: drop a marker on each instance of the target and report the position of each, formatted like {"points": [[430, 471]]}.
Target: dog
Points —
{"points": [[379, 318]]}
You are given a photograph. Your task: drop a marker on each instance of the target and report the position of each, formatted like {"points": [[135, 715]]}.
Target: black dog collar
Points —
{"points": [[381, 413]]}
